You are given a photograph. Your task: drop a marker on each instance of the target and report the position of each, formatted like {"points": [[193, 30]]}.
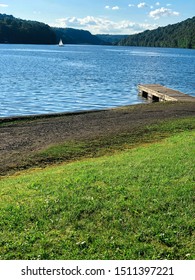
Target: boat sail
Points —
{"points": [[61, 43]]}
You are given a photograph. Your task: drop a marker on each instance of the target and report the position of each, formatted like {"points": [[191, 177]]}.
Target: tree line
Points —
{"points": [[179, 35], [17, 31]]}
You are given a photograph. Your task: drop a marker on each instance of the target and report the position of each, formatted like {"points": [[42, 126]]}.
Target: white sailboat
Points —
{"points": [[61, 43]]}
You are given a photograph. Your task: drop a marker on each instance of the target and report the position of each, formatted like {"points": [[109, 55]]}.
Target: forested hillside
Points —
{"points": [[18, 31], [76, 36], [180, 35], [111, 39]]}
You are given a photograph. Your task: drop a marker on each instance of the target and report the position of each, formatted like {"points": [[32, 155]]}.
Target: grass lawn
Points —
{"points": [[136, 203]]}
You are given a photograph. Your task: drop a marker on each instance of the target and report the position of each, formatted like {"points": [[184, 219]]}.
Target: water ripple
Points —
{"points": [[46, 79]]}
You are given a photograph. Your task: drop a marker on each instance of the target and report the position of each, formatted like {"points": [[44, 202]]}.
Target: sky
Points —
{"points": [[102, 16]]}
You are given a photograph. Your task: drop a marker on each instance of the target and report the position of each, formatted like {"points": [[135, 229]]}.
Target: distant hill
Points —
{"points": [[111, 39], [18, 31], [76, 36], [179, 35]]}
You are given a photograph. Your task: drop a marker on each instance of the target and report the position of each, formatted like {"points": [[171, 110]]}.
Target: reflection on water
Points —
{"points": [[46, 79]]}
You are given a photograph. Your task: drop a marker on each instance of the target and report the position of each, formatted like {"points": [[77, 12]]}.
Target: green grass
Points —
{"points": [[135, 204]]}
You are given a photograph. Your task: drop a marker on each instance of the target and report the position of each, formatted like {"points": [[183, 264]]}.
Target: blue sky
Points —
{"points": [[102, 16]]}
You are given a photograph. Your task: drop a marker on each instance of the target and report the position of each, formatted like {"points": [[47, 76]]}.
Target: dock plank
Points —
{"points": [[158, 92]]}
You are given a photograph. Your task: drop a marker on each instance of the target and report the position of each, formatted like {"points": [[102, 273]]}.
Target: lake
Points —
{"points": [[49, 79]]}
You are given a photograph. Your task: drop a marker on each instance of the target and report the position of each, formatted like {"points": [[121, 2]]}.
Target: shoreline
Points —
{"points": [[51, 115], [22, 137]]}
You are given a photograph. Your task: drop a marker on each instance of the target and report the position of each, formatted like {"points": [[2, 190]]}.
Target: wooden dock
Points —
{"points": [[156, 93]]}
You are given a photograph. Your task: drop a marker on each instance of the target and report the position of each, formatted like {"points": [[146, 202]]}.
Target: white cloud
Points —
{"points": [[99, 25], [112, 8], [115, 8], [131, 5], [142, 5], [168, 5], [3, 5], [156, 14], [157, 3]]}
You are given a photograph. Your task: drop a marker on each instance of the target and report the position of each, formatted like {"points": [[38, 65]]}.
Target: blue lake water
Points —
{"points": [[47, 79]]}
